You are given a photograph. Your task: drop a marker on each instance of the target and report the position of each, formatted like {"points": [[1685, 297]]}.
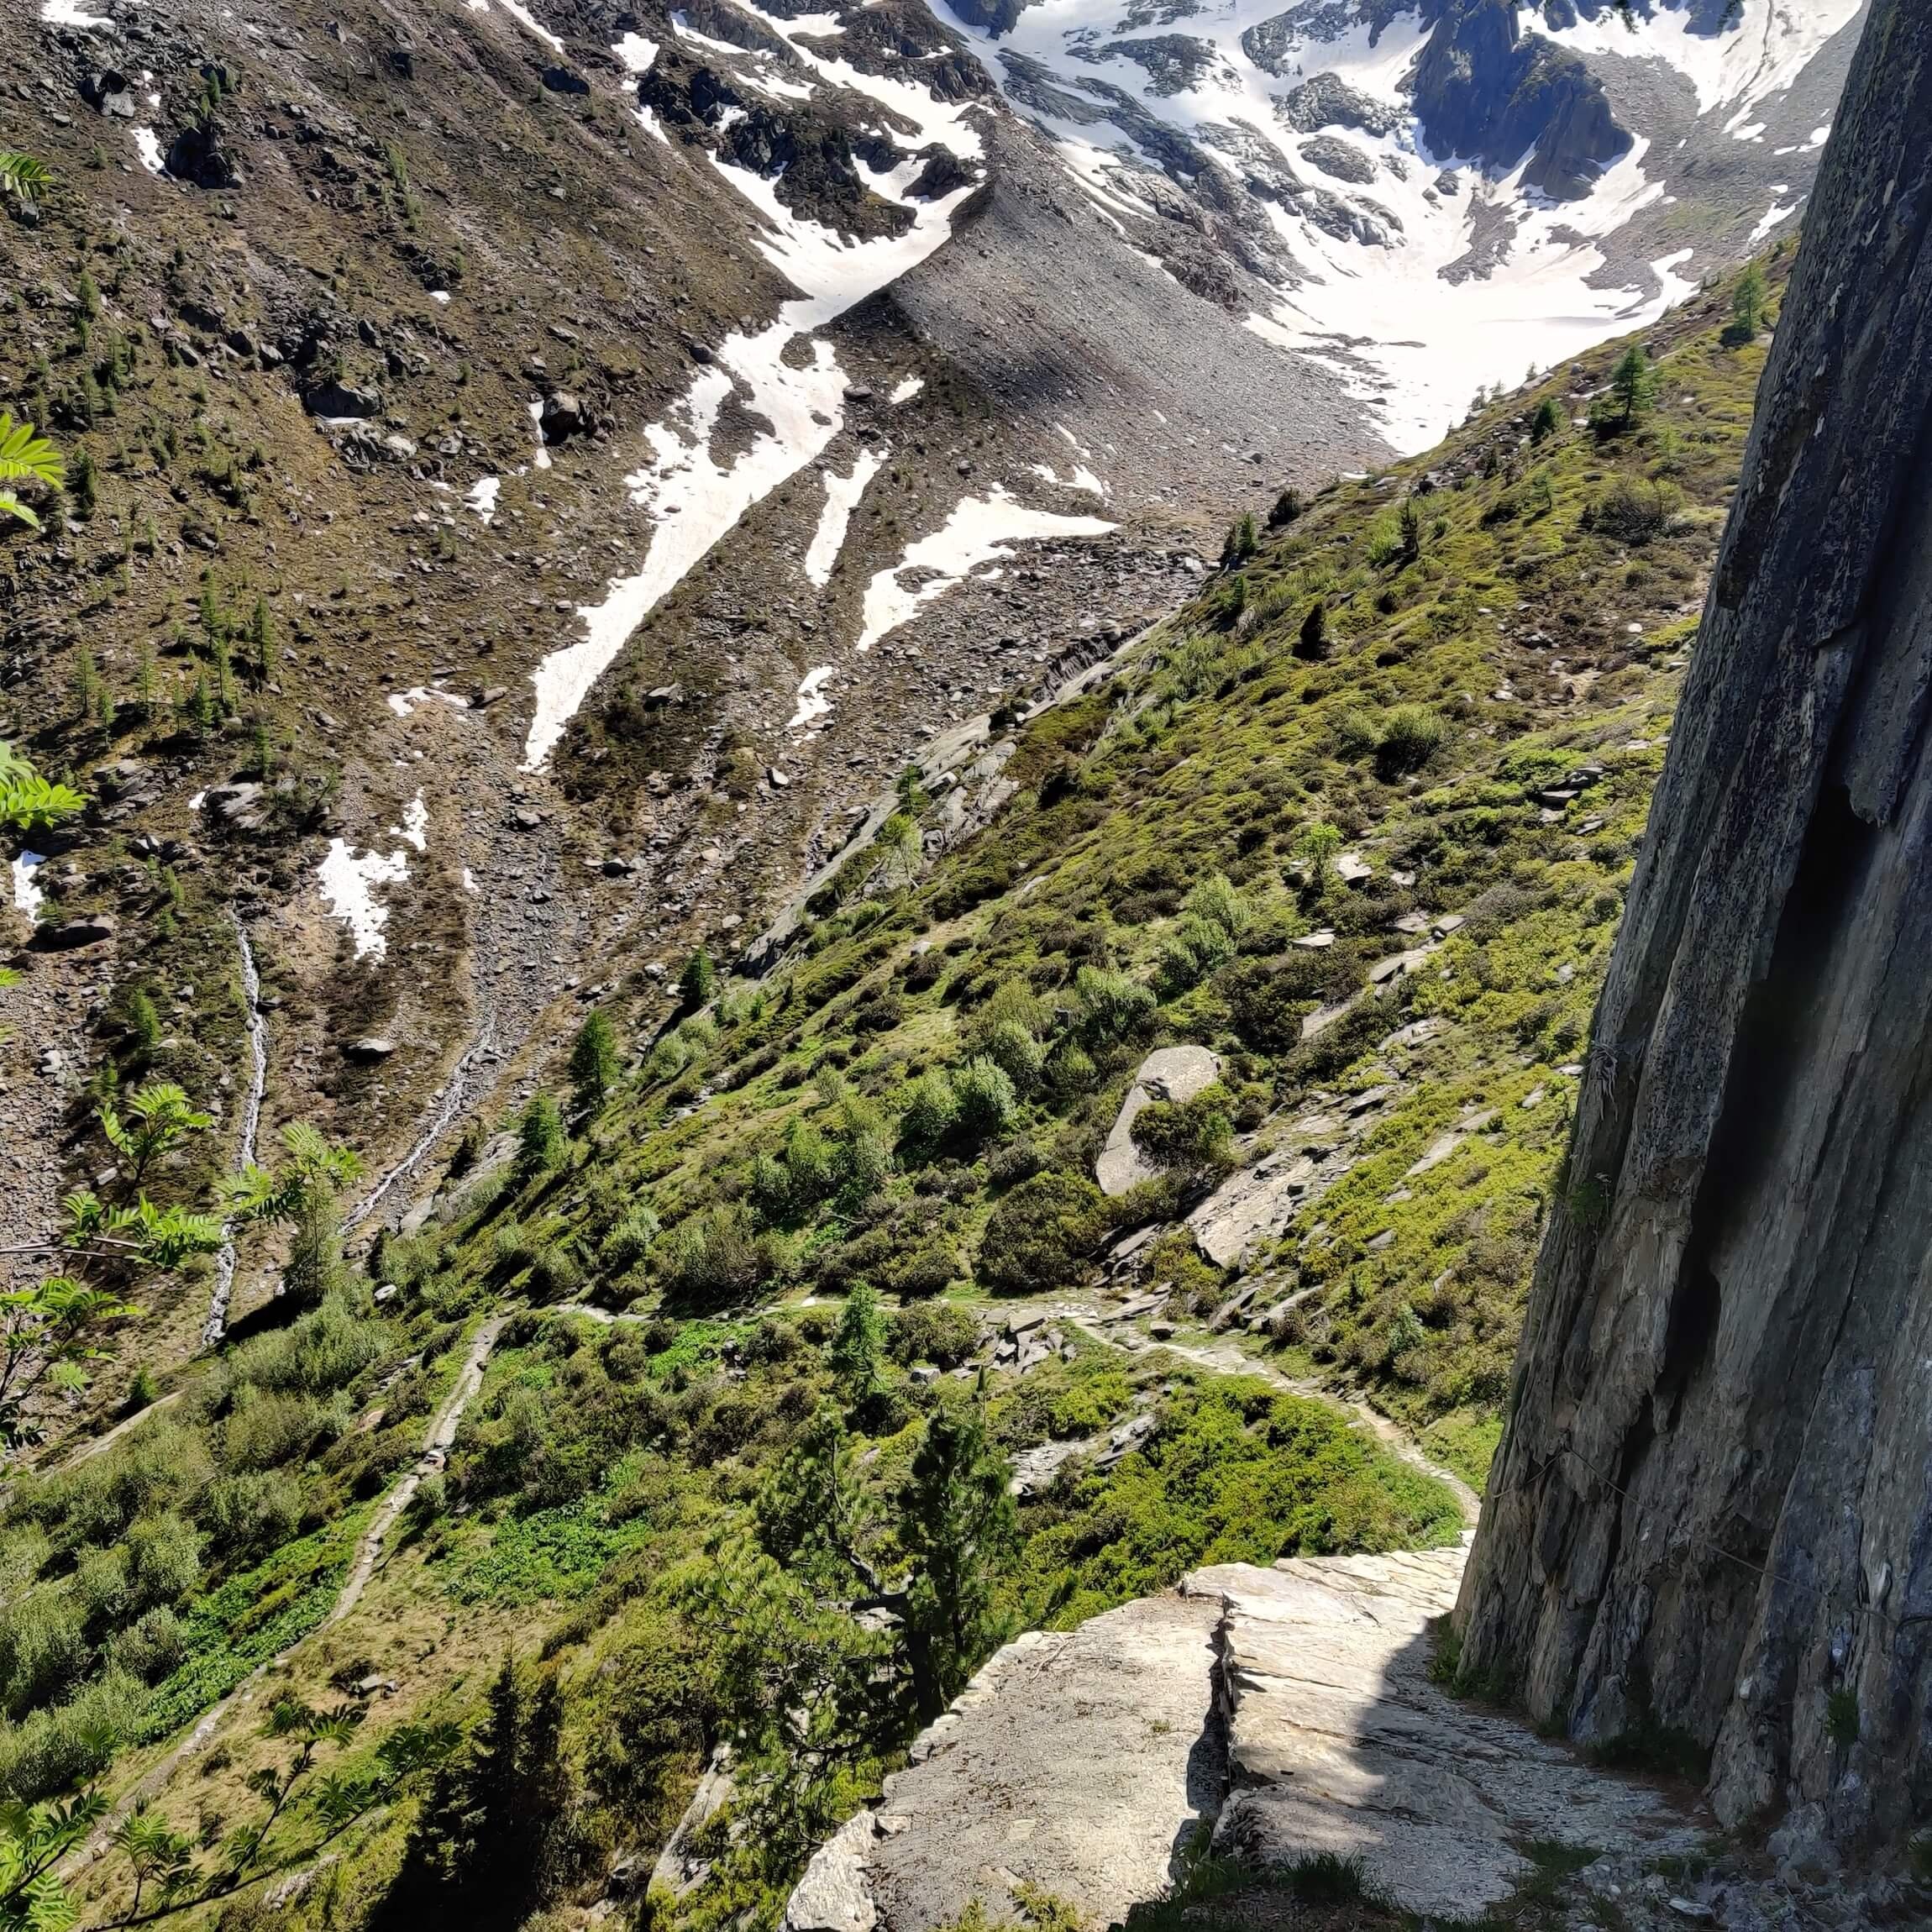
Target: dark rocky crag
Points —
{"points": [[1711, 1520], [1486, 90]]}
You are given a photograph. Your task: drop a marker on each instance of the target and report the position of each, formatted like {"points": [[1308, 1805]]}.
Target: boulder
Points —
{"points": [[565, 81], [198, 156], [370, 1048], [339, 399], [83, 929], [563, 417], [239, 804], [1168, 1073]]}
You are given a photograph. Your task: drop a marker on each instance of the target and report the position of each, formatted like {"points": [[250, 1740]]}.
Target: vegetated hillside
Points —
{"points": [[358, 326], [715, 1489]]}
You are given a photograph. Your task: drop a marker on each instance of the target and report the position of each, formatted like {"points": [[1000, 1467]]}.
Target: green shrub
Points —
{"points": [[1193, 1137], [629, 1239], [1410, 735], [316, 1354], [264, 1430], [1114, 1008], [252, 1511], [52, 1750], [940, 1332], [1042, 1234], [713, 1259], [984, 1105]]}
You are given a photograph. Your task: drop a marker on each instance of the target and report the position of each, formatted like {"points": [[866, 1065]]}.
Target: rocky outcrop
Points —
{"points": [[1173, 1073], [1712, 1514], [1291, 1705], [1077, 1762], [1339, 1742], [1486, 91]]}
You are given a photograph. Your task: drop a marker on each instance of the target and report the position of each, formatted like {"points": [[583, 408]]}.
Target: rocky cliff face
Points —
{"points": [[1713, 1512], [1486, 89]]}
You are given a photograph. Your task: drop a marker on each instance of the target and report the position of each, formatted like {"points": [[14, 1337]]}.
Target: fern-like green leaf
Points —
{"points": [[23, 176], [25, 452]]}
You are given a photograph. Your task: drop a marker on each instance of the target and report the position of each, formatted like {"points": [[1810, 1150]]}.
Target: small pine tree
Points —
{"points": [[1747, 306], [699, 980], [86, 685], [857, 1350], [1288, 507], [224, 677], [957, 1523], [88, 295], [594, 1063], [1411, 527], [1546, 421], [104, 709], [1633, 384], [83, 485], [1312, 640], [1240, 544], [203, 713], [540, 1143]]}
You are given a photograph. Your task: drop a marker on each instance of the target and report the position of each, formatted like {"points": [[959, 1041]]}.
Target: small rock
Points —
{"points": [[526, 818], [1694, 1909], [371, 1047]]}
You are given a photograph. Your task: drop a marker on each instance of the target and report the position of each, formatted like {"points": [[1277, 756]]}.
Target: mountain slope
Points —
{"points": [[912, 1098]]}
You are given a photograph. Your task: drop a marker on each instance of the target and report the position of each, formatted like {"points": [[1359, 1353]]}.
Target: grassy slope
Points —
{"points": [[1536, 643], [605, 1465]]}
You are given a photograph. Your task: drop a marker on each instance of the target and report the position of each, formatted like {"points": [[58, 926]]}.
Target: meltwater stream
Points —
{"points": [[216, 1325]]}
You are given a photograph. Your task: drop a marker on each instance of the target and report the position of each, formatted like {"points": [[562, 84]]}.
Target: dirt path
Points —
{"points": [[441, 1433]]}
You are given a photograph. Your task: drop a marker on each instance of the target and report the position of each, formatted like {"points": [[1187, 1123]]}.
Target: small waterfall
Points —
{"points": [[217, 1323]]}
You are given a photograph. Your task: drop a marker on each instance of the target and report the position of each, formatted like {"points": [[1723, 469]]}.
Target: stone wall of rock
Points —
{"points": [[1713, 1511]]}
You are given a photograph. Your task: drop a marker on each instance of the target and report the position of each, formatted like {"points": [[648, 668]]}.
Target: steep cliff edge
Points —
{"points": [[1712, 1515]]}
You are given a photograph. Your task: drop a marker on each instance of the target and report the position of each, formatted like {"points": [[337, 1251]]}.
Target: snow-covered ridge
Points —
{"points": [[1418, 276]]}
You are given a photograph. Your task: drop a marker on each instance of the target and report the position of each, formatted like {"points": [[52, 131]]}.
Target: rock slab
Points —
{"points": [[1291, 1705], [1168, 1073], [1338, 1742]]}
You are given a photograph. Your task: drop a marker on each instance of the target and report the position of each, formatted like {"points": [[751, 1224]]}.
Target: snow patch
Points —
{"points": [[842, 495], [524, 16], [905, 389], [349, 883], [980, 529], [1082, 478], [28, 897], [1771, 219], [636, 53], [402, 703], [482, 497], [69, 13], [441, 295], [812, 703], [148, 146], [414, 829], [692, 499], [470, 883]]}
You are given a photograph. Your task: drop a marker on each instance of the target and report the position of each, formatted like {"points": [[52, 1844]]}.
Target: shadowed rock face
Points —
{"points": [[1484, 91], [1713, 1509]]}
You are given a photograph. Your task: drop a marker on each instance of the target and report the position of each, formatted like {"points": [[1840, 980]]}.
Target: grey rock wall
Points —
{"points": [[1712, 1514]]}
